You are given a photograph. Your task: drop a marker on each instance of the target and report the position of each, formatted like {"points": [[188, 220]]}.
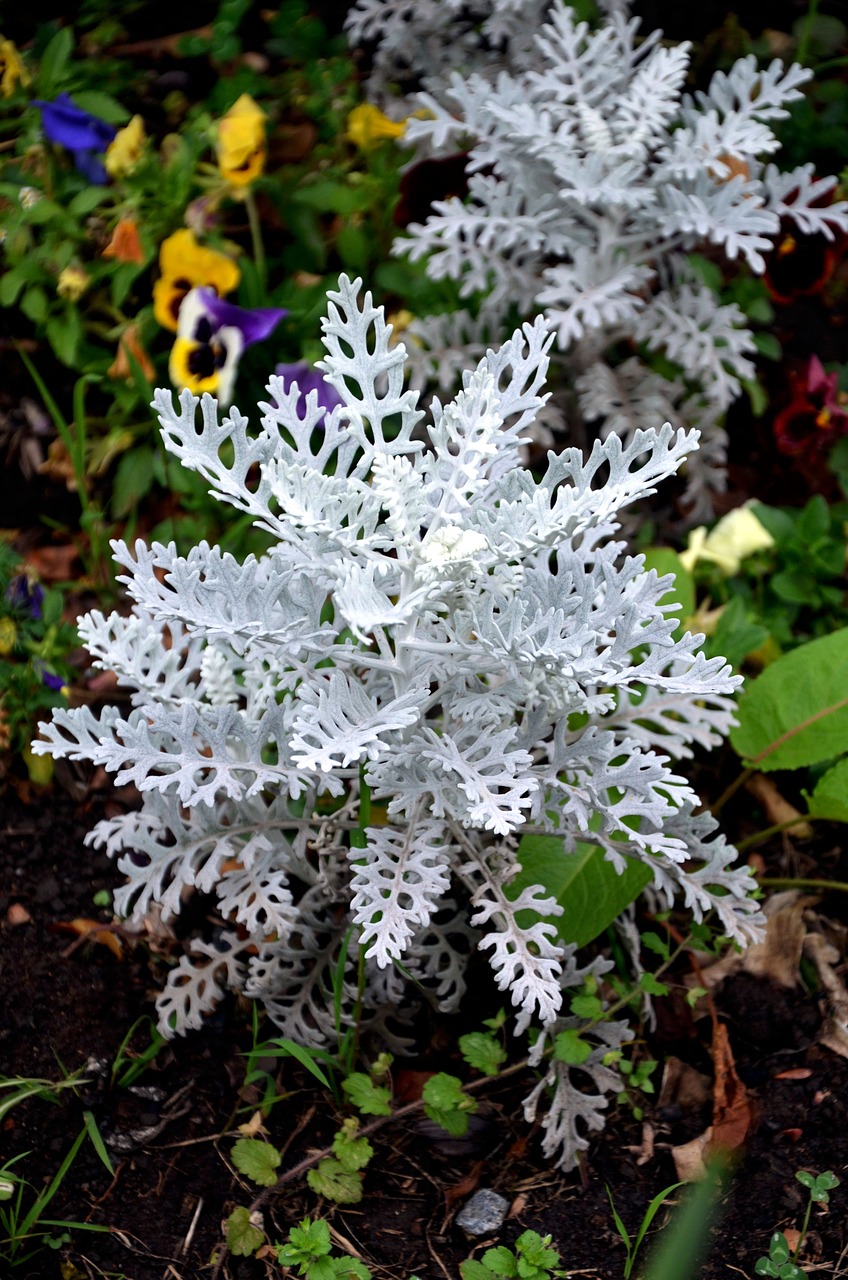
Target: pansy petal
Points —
{"points": [[66, 123], [255, 323], [307, 379]]}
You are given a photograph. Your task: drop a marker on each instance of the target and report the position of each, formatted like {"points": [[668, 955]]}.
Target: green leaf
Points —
{"points": [[568, 1047], [243, 1239], [446, 1104], [352, 1152], [472, 1269], [309, 1240], [483, 1052], [649, 984], [257, 1160], [500, 1261], [736, 635], [54, 60], [583, 1006], [63, 334], [830, 798], [796, 712], [289, 1049], [332, 1180], [102, 105], [133, 480], [11, 283], [369, 1098], [588, 887], [87, 200], [34, 304], [664, 561]]}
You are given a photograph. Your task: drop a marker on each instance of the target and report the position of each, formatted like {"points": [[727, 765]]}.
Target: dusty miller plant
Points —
{"points": [[433, 631], [592, 178]]}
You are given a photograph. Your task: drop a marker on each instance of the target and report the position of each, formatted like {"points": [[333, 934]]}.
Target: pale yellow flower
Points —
{"points": [[73, 282], [737, 536], [240, 142], [126, 149], [8, 636], [367, 126]]}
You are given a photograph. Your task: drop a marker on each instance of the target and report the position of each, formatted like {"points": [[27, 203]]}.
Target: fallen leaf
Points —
{"points": [[793, 1238], [17, 915], [689, 1157], [683, 1086], [518, 1205], [794, 1135], [733, 1113], [834, 1033], [93, 931], [777, 808], [794, 1073]]}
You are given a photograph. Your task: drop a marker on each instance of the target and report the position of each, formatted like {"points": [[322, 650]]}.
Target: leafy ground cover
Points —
{"points": [[175, 208]]}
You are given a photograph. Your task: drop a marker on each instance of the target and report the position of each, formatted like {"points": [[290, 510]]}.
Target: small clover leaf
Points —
{"points": [[244, 1237], [256, 1160], [482, 1051], [446, 1104], [536, 1258], [369, 1098], [331, 1179]]}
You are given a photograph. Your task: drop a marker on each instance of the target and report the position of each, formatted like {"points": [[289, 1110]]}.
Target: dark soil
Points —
{"points": [[66, 1005]]}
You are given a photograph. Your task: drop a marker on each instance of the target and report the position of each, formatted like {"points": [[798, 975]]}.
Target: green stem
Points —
{"points": [[788, 882], [256, 240], [760, 836], [730, 791], [802, 52], [804, 1226]]}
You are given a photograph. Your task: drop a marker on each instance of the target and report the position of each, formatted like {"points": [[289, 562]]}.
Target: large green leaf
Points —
{"points": [[587, 887], [796, 712], [830, 797]]}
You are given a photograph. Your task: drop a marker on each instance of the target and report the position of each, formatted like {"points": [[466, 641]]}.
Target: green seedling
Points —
{"points": [[532, 1259], [782, 1262], [308, 1249], [632, 1245]]}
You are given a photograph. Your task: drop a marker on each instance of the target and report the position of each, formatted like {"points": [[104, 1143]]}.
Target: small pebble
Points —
{"points": [[17, 914], [484, 1212]]}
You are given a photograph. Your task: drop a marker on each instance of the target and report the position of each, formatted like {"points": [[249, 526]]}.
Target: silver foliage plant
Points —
{"points": [[593, 177], [432, 633]]}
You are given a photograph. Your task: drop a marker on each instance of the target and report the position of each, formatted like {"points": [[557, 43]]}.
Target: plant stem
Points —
{"points": [[760, 836], [256, 240], [788, 882], [730, 791]]}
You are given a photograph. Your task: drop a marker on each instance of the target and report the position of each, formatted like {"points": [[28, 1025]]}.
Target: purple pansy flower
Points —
{"points": [[82, 134], [308, 379], [23, 594], [53, 682], [211, 335]]}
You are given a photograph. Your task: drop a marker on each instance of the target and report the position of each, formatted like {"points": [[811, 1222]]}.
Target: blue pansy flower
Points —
{"points": [[24, 594], [82, 134], [211, 336]]}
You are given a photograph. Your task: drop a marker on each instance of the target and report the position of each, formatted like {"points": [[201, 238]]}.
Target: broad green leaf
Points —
{"points": [[256, 1160], [352, 1153], [483, 1052], [664, 560], [102, 105], [369, 1098], [332, 1180], [830, 798], [54, 60], [568, 1047], [796, 713], [471, 1269], [64, 333], [446, 1104], [501, 1261], [589, 889], [243, 1239]]}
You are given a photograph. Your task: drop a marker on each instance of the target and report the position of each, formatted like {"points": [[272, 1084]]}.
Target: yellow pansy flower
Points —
{"points": [[185, 264], [367, 126], [12, 70], [126, 149], [8, 635], [736, 536], [240, 142]]}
